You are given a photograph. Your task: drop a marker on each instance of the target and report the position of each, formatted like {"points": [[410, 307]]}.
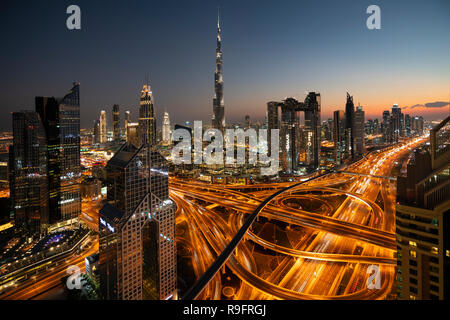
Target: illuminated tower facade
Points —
{"points": [[166, 136], [218, 120], [349, 134], [127, 120], [103, 127], [61, 120], [137, 250], [28, 183], [147, 120], [116, 123]]}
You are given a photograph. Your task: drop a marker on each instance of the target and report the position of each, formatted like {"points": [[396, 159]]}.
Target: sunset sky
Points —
{"points": [[271, 50]]}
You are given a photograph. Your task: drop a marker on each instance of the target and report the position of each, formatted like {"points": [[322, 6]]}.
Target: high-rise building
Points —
{"points": [[28, 182], [218, 120], [417, 125], [247, 123], [133, 133], [103, 127], [127, 120], [339, 136], [61, 120], [312, 137], [137, 252], [397, 122], [423, 220], [292, 141], [407, 125], [96, 132], [358, 132], [166, 134], [116, 123], [387, 130], [147, 119], [349, 134]]}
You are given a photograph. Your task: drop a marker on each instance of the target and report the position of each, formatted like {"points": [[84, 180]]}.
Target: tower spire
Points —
{"points": [[218, 120]]}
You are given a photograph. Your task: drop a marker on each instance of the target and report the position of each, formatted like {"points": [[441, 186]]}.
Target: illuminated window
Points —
{"points": [[412, 243], [435, 250], [447, 253], [412, 253]]}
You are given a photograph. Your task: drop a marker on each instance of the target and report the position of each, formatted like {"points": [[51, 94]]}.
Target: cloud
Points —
{"points": [[437, 104]]}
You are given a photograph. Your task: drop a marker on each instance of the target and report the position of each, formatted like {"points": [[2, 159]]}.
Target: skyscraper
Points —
{"points": [[349, 134], [137, 253], [339, 136], [132, 133], [116, 123], [61, 120], [127, 120], [423, 221], [28, 183], [218, 120], [147, 120], [290, 144], [166, 135], [96, 139], [407, 125], [358, 132], [387, 132], [103, 127], [247, 123], [397, 122]]}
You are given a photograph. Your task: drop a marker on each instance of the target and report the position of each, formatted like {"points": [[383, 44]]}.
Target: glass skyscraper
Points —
{"points": [[28, 183], [137, 228], [61, 120]]}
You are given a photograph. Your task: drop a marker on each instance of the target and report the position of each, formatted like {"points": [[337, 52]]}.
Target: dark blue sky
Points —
{"points": [[272, 49]]}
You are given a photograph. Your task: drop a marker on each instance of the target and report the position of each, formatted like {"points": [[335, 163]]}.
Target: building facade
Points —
{"points": [[103, 127], [61, 121], [147, 120], [218, 120], [116, 123], [423, 221], [166, 132], [137, 252], [28, 179]]}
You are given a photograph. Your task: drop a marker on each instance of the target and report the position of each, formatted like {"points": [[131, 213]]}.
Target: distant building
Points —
{"points": [[137, 253], [127, 121], [387, 131], [96, 139], [349, 134], [147, 119], [397, 122], [28, 183], [218, 119], [103, 127], [407, 125], [339, 136], [296, 143], [423, 221], [417, 126], [166, 132], [116, 123], [358, 132], [132, 133], [247, 122]]}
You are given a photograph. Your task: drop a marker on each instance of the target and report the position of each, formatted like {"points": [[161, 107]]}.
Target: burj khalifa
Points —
{"points": [[218, 120]]}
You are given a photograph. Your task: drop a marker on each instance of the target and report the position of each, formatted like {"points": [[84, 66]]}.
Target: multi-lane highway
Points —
{"points": [[338, 241]]}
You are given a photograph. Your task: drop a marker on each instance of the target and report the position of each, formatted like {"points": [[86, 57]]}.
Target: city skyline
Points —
{"points": [[256, 70]]}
